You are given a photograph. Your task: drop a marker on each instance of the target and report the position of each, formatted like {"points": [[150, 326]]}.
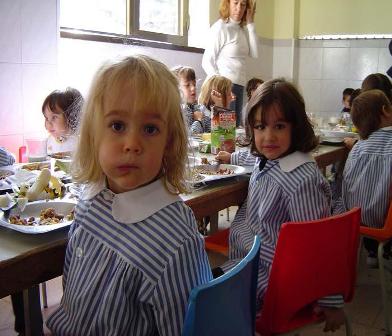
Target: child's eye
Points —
{"points": [[151, 129], [280, 126], [259, 127], [117, 126]]}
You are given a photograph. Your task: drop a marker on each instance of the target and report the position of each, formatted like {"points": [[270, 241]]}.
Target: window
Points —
{"points": [[158, 20]]}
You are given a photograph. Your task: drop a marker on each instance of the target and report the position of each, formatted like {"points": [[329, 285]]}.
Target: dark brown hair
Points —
{"points": [[347, 92], [68, 102], [252, 85], [185, 72], [378, 81], [354, 95], [286, 97], [367, 109]]}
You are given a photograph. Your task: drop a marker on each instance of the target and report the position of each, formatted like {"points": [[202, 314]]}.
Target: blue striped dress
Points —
{"points": [[243, 158], [6, 158], [291, 188], [367, 177], [131, 262]]}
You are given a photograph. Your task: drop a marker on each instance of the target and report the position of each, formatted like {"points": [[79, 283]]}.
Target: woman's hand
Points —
{"points": [[223, 157], [250, 12], [334, 317], [198, 115]]}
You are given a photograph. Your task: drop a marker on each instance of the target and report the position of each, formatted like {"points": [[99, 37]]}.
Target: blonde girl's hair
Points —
{"points": [[156, 87], [224, 11], [217, 83]]}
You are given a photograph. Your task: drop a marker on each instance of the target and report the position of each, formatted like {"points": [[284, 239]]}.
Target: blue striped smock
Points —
{"points": [[131, 262], [195, 126], [6, 158], [288, 189], [367, 177], [243, 158]]}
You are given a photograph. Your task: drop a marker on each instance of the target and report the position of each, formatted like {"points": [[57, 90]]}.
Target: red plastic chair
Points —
{"points": [[383, 236], [218, 242], [312, 260]]}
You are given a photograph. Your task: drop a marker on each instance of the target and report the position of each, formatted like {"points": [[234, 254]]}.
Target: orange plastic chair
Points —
{"points": [[383, 236], [218, 242], [312, 260]]}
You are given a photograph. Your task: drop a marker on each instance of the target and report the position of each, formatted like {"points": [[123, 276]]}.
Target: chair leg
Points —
{"points": [[44, 295], [349, 330], [384, 289]]}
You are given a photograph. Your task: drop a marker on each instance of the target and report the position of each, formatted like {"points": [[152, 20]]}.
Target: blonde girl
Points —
{"points": [[134, 252]]}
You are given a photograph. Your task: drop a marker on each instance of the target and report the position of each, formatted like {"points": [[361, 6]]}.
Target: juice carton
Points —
{"points": [[222, 130]]}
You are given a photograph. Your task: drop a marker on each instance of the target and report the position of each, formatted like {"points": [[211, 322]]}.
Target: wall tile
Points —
{"points": [[336, 43], [331, 96], [311, 90], [371, 43], [10, 98], [34, 95], [10, 34], [384, 60], [39, 31], [281, 66], [310, 63], [363, 61], [335, 63]]}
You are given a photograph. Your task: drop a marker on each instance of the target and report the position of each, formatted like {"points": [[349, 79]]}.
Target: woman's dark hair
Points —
{"points": [[378, 81], [252, 85], [68, 102], [367, 109], [286, 97], [184, 72]]}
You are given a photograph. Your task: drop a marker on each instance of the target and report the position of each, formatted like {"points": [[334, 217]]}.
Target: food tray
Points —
{"points": [[33, 209]]}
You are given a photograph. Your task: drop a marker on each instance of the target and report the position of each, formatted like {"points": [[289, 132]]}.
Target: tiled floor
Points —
{"points": [[365, 311]]}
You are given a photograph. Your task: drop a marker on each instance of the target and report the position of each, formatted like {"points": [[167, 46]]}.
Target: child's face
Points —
{"points": [[55, 123], [272, 138], [132, 144], [346, 101], [188, 89]]}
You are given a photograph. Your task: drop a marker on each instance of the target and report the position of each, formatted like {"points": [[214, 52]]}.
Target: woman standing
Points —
{"points": [[233, 39]]}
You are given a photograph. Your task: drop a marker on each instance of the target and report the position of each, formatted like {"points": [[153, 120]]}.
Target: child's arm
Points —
{"points": [[6, 158]]}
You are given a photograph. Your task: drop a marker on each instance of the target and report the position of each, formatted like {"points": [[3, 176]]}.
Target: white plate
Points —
{"points": [[237, 170], [33, 209], [338, 134]]}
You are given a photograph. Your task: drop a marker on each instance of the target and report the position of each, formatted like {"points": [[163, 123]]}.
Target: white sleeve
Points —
{"points": [[214, 46], [253, 40]]}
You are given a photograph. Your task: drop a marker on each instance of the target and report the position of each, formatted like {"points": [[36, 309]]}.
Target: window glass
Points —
{"points": [[159, 16]]}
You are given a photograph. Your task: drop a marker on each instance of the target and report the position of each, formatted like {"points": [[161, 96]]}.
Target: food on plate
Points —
{"points": [[36, 166], [5, 201], [204, 160], [61, 155], [47, 216], [62, 165], [207, 171], [39, 185]]}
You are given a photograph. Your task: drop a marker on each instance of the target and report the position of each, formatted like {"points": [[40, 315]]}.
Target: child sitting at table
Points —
{"points": [[367, 176], [198, 122], [6, 158], [62, 110], [134, 252], [286, 184]]}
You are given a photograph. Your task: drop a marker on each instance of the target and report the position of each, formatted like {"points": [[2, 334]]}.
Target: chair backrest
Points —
{"points": [[226, 305], [312, 260]]}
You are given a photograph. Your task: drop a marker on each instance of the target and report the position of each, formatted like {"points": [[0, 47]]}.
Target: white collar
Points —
{"points": [[294, 160], [135, 205], [388, 128], [233, 21]]}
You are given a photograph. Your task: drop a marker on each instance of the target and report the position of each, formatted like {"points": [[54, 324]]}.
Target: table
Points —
{"points": [[26, 260]]}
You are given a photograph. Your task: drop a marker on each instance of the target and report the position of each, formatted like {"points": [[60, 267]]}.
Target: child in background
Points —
{"points": [[62, 110], [198, 122], [347, 92], [378, 81], [134, 253], [367, 177], [350, 142], [286, 184], [6, 158]]}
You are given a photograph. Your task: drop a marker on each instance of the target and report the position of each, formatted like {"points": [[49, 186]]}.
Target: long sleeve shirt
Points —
{"points": [[288, 189], [197, 126], [367, 177], [6, 158], [131, 262], [228, 49]]}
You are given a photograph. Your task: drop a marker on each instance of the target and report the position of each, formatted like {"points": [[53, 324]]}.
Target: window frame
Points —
{"points": [[133, 26]]}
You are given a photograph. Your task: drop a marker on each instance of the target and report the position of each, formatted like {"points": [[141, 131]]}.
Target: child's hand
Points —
{"points": [[334, 317], [217, 98], [223, 157], [198, 115], [349, 142]]}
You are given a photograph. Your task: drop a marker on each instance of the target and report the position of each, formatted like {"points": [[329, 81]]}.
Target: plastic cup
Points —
{"points": [[36, 149]]}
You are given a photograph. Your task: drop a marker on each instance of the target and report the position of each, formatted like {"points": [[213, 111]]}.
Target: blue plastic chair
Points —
{"points": [[226, 305]]}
